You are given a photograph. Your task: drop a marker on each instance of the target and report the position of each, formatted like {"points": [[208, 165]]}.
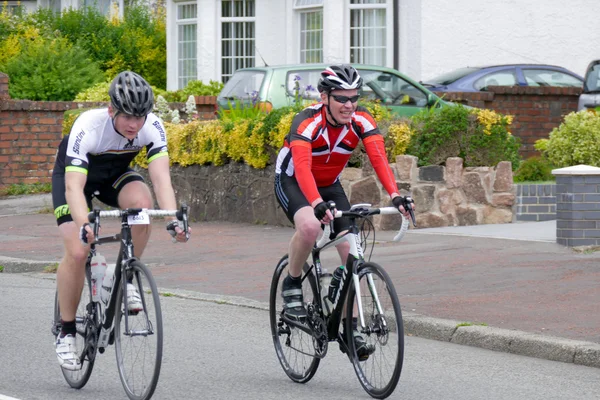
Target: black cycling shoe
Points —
{"points": [[363, 349], [293, 307]]}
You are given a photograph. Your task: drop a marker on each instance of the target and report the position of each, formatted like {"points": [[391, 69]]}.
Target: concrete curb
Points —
{"points": [[20, 265], [446, 330]]}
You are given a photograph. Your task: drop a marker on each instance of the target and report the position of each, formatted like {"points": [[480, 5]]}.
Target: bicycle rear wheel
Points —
{"points": [[85, 327], [380, 373], [294, 347], [139, 345]]}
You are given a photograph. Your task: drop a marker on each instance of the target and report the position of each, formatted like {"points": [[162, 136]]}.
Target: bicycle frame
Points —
{"points": [[124, 259], [354, 261]]}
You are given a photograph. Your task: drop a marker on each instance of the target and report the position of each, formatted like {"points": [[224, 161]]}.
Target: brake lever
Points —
{"points": [[407, 206]]}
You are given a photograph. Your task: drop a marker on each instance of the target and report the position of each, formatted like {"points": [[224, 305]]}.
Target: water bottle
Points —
{"points": [[335, 283], [107, 283], [98, 266], [325, 282]]}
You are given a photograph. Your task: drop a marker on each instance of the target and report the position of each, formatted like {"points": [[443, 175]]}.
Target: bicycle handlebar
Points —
{"points": [[181, 215], [365, 211]]}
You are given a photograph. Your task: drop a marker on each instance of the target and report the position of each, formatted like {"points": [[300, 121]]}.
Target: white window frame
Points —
{"points": [[302, 11], [389, 34], [220, 38], [183, 80]]}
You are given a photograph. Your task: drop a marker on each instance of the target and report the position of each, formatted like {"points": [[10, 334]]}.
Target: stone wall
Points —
{"points": [[444, 195]]}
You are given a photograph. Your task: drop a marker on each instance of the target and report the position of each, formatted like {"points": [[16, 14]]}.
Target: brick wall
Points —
{"points": [[536, 110], [536, 202], [30, 132]]}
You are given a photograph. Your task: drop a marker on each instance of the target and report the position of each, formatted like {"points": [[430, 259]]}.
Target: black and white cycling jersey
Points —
{"points": [[96, 149]]}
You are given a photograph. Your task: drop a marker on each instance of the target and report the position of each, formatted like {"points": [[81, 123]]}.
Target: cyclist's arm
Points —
{"points": [[375, 148], [160, 175], [302, 156]]}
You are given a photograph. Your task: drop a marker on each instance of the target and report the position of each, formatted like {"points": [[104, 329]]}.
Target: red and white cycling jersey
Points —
{"points": [[315, 153]]}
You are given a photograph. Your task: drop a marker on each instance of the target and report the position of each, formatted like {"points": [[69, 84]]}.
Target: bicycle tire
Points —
{"points": [[296, 353], [77, 379], [380, 373], [139, 381]]}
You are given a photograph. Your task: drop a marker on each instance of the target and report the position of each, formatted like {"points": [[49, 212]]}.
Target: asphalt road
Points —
{"points": [[221, 351]]}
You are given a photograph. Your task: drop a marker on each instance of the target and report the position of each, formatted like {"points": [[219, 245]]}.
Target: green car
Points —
{"points": [[273, 87]]}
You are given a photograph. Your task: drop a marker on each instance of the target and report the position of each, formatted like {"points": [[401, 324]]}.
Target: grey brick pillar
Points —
{"points": [[578, 206]]}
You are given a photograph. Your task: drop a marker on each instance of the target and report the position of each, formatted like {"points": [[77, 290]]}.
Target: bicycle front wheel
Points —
{"points": [[85, 327], [380, 373], [294, 347], [139, 336]]}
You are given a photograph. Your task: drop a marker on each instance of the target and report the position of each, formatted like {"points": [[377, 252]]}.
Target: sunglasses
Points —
{"points": [[344, 99]]}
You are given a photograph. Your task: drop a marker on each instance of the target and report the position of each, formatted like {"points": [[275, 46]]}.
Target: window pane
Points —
{"points": [[311, 36], [237, 47], [368, 36], [391, 89], [544, 77], [592, 79], [304, 3], [237, 8], [303, 84], [187, 11], [503, 78], [186, 54], [243, 85]]}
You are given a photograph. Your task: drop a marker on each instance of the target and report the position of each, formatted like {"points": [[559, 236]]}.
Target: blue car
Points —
{"points": [[475, 79]]}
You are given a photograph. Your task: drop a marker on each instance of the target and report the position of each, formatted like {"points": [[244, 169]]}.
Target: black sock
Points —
{"points": [[68, 328], [296, 281]]}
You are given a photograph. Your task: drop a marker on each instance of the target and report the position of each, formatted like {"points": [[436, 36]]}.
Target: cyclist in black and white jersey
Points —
{"points": [[93, 161]]}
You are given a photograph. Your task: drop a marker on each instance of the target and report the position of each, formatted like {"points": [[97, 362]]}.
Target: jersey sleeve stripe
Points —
{"points": [[157, 155], [76, 169]]}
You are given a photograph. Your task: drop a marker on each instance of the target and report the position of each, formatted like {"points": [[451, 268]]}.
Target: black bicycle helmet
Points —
{"points": [[342, 77], [131, 94]]}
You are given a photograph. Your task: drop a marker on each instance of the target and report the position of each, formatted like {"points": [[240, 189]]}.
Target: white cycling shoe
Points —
{"points": [[66, 352], [134, 301]]}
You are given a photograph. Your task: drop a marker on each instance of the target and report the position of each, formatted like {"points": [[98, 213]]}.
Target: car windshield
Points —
{"points": [[592, 80], [450, 77], [243, 85], [390, 89]]}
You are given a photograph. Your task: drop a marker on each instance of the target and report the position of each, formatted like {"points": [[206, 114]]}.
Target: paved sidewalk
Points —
{"points": [[522, 292]]}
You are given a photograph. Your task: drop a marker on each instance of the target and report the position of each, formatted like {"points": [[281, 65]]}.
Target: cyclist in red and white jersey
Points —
{"points": [[316, 150], [93, 161]]}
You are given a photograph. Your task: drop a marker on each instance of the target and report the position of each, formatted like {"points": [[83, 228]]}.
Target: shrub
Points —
{"points": [[194, 88], [51, 70], [575, 141], [534, 169], [479, 137]]}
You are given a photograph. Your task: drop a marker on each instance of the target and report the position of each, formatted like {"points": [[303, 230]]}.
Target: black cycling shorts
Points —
{"points": [[107, 191], [291, 199]]}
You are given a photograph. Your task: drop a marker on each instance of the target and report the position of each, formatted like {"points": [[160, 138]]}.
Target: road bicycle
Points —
{"points": [[369, 295], [138, 336]]}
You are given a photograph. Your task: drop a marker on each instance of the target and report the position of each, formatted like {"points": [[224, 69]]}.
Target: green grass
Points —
{"points": [[1, 268], [17, 189], [51, 269], [536, 183], [167, 294], [471, 324]]}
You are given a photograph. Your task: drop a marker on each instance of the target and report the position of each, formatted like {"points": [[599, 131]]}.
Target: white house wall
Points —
{"points": [[474, 32], [435, 36]]}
